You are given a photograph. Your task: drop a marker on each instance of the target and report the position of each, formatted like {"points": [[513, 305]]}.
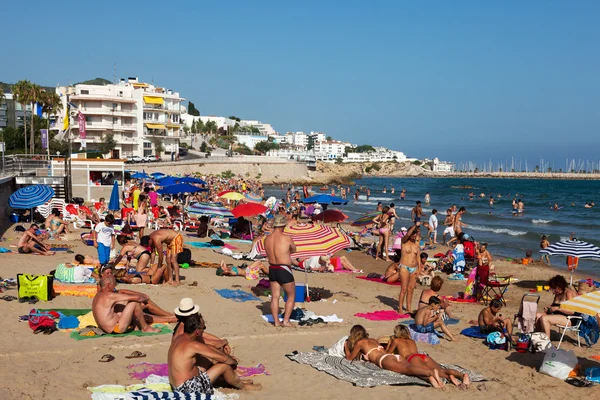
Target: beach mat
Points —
{"points": [[239, 296], [378, 280], [164, 329], [474, 332], [382, 315], [201, 245], [459, 300], [430, 338], [143, 370], [69, 312], [78, 290], [449, 321], [365, 374]]}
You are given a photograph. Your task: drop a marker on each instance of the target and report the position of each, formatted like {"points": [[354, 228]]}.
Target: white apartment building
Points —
{"points": [[220, 121], [317, 137], [279, 139], [298, 138], [250, 140], [442, 166], [381, 154], [330, 150], [134, 112], [264, 128]]}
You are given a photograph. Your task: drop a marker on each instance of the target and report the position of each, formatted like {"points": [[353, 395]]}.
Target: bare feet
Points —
{"points": [[436, 374], [151, 329], [466, 380], [288, 324], [454, 380], [251, 386]]}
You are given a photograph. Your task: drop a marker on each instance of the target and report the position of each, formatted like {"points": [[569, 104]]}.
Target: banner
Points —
{"points": [[81, 123], [66, 118], [44, 133]]}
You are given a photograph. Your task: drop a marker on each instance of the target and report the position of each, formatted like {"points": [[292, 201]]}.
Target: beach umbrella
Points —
{"points": [[181, 188], [213, 209], [328, 216], [167, 181], [365, 219], [30, 197], [248, 210], [113, 204], [573, 248], [158, 175], [588, 303], [254, 197], [140, 175], [235, 196], [325, 199], [313, 240], [189, 179], [224, 192]]}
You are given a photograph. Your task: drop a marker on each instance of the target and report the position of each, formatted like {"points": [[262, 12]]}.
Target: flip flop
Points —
{"points": [[33, 300], [107, 358], [8, 298], [24, 299], [136, 354]]}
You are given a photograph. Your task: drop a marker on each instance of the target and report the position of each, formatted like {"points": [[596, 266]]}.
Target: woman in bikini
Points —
{"points": [[382, 222], [554, 315], [402, 343], [359, 343], [434, 288]]}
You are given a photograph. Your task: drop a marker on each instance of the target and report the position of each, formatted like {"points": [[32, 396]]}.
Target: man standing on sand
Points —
{"points": [[433, 225], [116, 312], [409, 266], [448, 223], [279, 247], [457, 225], [174, 242], [185, 350], [417, 212]]}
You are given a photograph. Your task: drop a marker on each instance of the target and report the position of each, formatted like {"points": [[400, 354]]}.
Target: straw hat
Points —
{"points": [[280, 221], [186, 308]]}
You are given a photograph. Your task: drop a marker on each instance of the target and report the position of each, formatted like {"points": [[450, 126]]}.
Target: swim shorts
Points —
{"points": [[197, 384], [280, 273], [429, 328]]}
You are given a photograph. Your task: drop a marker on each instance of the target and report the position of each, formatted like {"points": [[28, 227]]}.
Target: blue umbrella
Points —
{"points": [[30, 197], [158, 175], [325, 199], [181, 188], [114, 204], [189, 179], [140, 175], [167, 181]]}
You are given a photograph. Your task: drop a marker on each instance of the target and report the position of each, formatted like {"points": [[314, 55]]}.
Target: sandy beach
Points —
{"points": [[58, 367]]}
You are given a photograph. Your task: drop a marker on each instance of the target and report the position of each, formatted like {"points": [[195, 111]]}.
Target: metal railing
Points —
{"points": [[24, 164]]}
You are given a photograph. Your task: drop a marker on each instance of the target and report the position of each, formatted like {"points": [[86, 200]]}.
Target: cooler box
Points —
{"points": [[300, 294]]}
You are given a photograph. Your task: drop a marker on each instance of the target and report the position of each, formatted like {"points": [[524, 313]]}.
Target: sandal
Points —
{"points": [[107, 358], [24, 299], [33, 300], [8, 298], [136, 354]]}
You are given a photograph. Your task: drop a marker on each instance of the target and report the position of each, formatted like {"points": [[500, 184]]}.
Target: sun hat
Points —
{"points": [[280, 221], [186, 307], [403, 229]]}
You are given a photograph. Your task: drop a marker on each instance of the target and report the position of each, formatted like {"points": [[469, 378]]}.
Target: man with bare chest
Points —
{"points": [[174, 242]]}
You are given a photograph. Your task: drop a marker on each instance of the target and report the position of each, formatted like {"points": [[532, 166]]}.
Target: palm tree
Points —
{"points": [[36, 95], [51, 104], [22, 93]]}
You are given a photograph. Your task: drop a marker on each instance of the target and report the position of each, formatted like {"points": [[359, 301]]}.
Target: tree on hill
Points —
{"points": [[192, 109], [264, 146], [233, 117], [95, 81], [108, 144]]}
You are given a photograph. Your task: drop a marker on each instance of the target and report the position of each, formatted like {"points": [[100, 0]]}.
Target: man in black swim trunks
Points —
{"points": [[279, 248]]}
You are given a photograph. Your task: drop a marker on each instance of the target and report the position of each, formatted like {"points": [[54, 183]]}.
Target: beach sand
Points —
{"points": [[58, 367]]}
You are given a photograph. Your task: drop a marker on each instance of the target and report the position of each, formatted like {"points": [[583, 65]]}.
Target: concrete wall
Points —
{"points": [[7, 187]]}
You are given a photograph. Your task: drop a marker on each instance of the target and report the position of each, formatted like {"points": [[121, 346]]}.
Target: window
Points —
{"points": [[105, 178], [115, 120], [147, 145], [85, 91], [88, 119], [115, 106]]}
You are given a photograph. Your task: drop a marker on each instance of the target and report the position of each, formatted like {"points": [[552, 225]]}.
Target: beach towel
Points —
{"points": [[75, 290], [474, 332], [237, 295], [201, 245], [449, 321], [430, 338], [75, 312], [459, 300], [378, 280], [457, 277], [326, 318], [383, 315], [365, 374], [143, 370], [5, 250], [164, 329], [526, 322]]}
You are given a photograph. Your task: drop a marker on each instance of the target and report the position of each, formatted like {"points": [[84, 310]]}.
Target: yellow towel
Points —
{"points": [[87, 320]]}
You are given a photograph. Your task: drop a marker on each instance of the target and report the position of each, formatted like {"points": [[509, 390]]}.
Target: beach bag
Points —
{"points": [[523, 343], [558, 363], [184, 257], [39, 286], [337, 350], [539, 342]]}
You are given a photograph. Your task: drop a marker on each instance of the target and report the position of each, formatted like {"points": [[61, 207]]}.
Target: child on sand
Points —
{"points": [[402, 343], [490, 321], [430, 317]]}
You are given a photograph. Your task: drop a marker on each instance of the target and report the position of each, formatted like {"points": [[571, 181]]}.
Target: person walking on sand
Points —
{"points": [[279, 248], [457, 224], [433, 225], [417, 212], [408, 267]]}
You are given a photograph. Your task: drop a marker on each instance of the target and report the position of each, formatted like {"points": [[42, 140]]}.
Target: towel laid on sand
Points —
{"points": [[458, 300], [78, 290], [239, 296], [377, 280], [382, 315], [164, 329], [326, 318], [75, 312], [474, 332], [449, 321], [430, 338], [365, 374], [143, 370]]}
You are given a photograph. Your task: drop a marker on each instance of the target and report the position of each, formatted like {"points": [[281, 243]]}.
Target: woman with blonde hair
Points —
{"points": [[402, 343], [359, 343]]}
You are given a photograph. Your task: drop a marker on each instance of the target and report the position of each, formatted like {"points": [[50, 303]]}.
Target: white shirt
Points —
{"points": [[104, 234], [433, 222]]}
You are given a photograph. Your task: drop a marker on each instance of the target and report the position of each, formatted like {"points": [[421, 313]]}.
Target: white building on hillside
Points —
{"points": [[299, 139], [250, 140], [264, 128], [381, 154], [442, 166], [329, 150], [220, 121], [317, 137], [133, 112]]}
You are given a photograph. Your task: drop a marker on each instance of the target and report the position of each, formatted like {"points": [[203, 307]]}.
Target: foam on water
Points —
{"points": [[541, 221], [496, 230]]}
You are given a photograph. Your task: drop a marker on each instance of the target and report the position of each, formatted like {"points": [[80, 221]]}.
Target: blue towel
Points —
{"points": [[68, 322], [200, 245], [5, 250], [237, 295], [473, 332]]}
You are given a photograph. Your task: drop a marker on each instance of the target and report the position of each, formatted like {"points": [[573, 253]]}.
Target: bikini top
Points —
{"points": [[366, 356]]}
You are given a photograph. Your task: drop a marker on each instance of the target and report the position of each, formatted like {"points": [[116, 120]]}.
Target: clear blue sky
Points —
{"points": [[461, 80]]}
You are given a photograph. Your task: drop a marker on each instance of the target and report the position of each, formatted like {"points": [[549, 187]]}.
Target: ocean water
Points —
{"points": [[507, 235]]}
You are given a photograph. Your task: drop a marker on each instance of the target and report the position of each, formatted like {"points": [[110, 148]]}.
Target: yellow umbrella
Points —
{"points": [[235, 196], [585, 304]]}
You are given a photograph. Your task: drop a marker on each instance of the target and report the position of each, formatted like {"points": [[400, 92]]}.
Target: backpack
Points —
{"points": [[184, 257], [539, 342]]}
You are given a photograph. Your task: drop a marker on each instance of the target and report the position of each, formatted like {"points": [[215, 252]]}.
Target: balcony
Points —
{"points": [[154, 107], [107, 111], [102, 97], [155, 132]]}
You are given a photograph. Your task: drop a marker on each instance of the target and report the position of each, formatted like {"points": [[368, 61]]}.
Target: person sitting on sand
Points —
{"points": [[117, 312], [174, 242], [153, 312], [392, 272], [30, 242], [436, 285], [251, 272], [427, 273], [490, 321], [428, 318], [56, 225], [528, 259], [402, 343], [187, 348], [131, 249], [359, 343], [555, 315]]}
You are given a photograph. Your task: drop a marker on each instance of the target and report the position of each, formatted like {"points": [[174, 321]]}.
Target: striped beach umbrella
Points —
{"points": [[366, 219], [313, 240], [588, 303], [573, 248], [255, 198], [212, 209], [30, 197]]}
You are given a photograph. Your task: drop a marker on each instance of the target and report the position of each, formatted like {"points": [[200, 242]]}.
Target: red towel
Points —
{"points": [[379, 281], [383, 315]]}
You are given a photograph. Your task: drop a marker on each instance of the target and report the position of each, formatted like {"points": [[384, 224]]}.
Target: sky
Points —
{"points": [[457, 80]]}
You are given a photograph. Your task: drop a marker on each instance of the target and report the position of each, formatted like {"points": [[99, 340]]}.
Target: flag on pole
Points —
{"points": [[81, 122], [66, 118], [37, 109], [44, 133]]}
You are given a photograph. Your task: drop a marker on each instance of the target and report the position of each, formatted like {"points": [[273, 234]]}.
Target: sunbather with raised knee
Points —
{"points": [[250, 272], [359, 343], [402, 343], [430, 317]]}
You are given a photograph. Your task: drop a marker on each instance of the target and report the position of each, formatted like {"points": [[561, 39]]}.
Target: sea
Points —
{"points": [[507, 235]]}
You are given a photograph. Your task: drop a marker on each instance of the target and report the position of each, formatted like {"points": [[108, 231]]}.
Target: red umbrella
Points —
{"points": [[248, 210], [330, 216], [313, 240], [224, 192]]}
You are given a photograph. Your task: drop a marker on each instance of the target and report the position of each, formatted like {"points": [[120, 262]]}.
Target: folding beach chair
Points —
{"points": [[489, 286], [357, 244], [529, 301]]}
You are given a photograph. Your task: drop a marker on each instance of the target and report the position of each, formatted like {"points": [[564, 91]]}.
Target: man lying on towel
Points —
{"points": [[119, 313], [153, 312]]}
